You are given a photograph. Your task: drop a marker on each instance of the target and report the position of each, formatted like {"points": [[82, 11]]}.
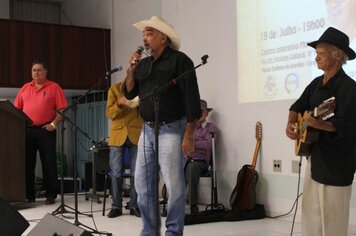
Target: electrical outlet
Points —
{"points": [[295, 166], [277, 165]]}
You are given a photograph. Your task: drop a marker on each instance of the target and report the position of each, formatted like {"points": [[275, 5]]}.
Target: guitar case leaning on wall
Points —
{"points": [[225, 215]]}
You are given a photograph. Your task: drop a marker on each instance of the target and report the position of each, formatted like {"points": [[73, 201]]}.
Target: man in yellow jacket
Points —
{"points": [[124, 134]]}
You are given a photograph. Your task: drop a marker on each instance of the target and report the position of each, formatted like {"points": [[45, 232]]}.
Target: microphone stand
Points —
{"points": [[105, 76], [76, 128], [61, 208], [155, 95], [214, 193]]}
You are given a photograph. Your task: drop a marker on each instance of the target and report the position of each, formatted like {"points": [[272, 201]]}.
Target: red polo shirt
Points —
{"points": [[40, 105]]}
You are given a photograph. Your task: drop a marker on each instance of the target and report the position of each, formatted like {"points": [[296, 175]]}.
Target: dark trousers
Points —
{"points": [[39, 139], [193, 170]]}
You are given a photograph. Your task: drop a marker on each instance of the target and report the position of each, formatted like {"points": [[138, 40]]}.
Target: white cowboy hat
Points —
{"points": [[161, 25]]}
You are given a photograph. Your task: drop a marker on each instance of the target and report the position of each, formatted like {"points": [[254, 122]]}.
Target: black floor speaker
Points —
{"points": [[51, 225], [11, 221], [100, 178]]}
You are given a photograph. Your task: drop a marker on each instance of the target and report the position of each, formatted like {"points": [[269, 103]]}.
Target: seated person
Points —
{"points": [[198, 161]]}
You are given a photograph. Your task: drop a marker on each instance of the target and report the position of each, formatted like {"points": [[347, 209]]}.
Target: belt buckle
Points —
{"points": [[152, 124]]}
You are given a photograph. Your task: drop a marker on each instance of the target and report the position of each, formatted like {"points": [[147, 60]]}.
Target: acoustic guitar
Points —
{"points": [[243, 196], [309, 135]]}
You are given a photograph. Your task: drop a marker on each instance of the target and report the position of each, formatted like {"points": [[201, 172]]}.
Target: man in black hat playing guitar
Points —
{"points": [[332, 159]]}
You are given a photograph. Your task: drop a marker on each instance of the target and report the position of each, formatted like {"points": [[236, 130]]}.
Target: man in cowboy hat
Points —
{"points": [[179, 108], [198, 161], [331, 166]]}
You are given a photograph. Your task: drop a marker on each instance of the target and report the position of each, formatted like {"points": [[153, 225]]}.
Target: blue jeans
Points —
{"points": [[171, 164], [117, 168]]}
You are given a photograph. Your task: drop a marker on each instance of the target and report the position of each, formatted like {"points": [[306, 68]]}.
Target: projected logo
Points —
{"points": [[291, 83], [270, 87]]}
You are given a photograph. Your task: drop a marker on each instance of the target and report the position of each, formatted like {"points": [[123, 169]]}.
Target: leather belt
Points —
{"points": [[37, 126], [195, 160], [152, 124]]}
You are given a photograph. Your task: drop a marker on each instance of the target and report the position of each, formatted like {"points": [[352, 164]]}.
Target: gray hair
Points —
{"points": [[345, 57]]}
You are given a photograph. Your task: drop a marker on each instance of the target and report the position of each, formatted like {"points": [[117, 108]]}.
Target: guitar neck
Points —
{"points": [[255, 155]]}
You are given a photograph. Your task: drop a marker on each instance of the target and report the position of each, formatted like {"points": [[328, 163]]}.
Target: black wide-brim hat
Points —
{"points": [[336, 38]]}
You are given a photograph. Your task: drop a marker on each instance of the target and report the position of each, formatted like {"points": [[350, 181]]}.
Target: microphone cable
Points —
{"points": [[298, 195], [295, 204]]}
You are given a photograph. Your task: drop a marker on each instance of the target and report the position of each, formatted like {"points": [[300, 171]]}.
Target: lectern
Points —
{"points": [[12, 152]]}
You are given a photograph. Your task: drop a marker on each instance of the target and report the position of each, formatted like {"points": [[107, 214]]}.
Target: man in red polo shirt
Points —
{"points": [[39, 100]]}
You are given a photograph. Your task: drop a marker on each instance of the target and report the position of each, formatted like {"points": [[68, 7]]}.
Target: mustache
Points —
{"points": [[146, 44], [148, 48]]}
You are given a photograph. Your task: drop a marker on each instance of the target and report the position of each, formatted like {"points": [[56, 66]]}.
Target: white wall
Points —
{"points": [[208, 27]]}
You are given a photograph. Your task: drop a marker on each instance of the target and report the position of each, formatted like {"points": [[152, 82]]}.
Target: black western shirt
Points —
{"points": [[333, 156], [177, 100]]}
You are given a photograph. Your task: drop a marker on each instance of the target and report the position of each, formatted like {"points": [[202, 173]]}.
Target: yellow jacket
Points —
{"points": [[126, 119]]}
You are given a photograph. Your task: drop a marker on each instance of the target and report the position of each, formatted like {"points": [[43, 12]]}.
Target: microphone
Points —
{"points": [[139, 51], [100, 144], [116, 69], [204, 59]]}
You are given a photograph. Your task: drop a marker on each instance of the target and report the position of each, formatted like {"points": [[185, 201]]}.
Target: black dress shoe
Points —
{"points": [[135, 212], [194, 210], [115, 212]]}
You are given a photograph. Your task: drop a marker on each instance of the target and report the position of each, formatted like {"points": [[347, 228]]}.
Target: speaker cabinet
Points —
{"points": [[11, 221], [52, 225], [68, 184], [100, 178]]}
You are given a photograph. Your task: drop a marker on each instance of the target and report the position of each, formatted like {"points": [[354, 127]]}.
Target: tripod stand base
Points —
{"points": [[61, 210], [215, 206]]}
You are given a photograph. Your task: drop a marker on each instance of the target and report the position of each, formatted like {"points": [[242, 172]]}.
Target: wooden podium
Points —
{"points": [[12, 152]]}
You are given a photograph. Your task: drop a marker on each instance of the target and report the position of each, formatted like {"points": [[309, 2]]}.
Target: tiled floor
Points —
{"points": [[131, 225]]}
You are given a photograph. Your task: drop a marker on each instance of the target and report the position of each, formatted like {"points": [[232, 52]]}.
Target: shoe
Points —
{"points": [[127, 207], [115, 212], [135, 212], [50, 201], [194, 210]]}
